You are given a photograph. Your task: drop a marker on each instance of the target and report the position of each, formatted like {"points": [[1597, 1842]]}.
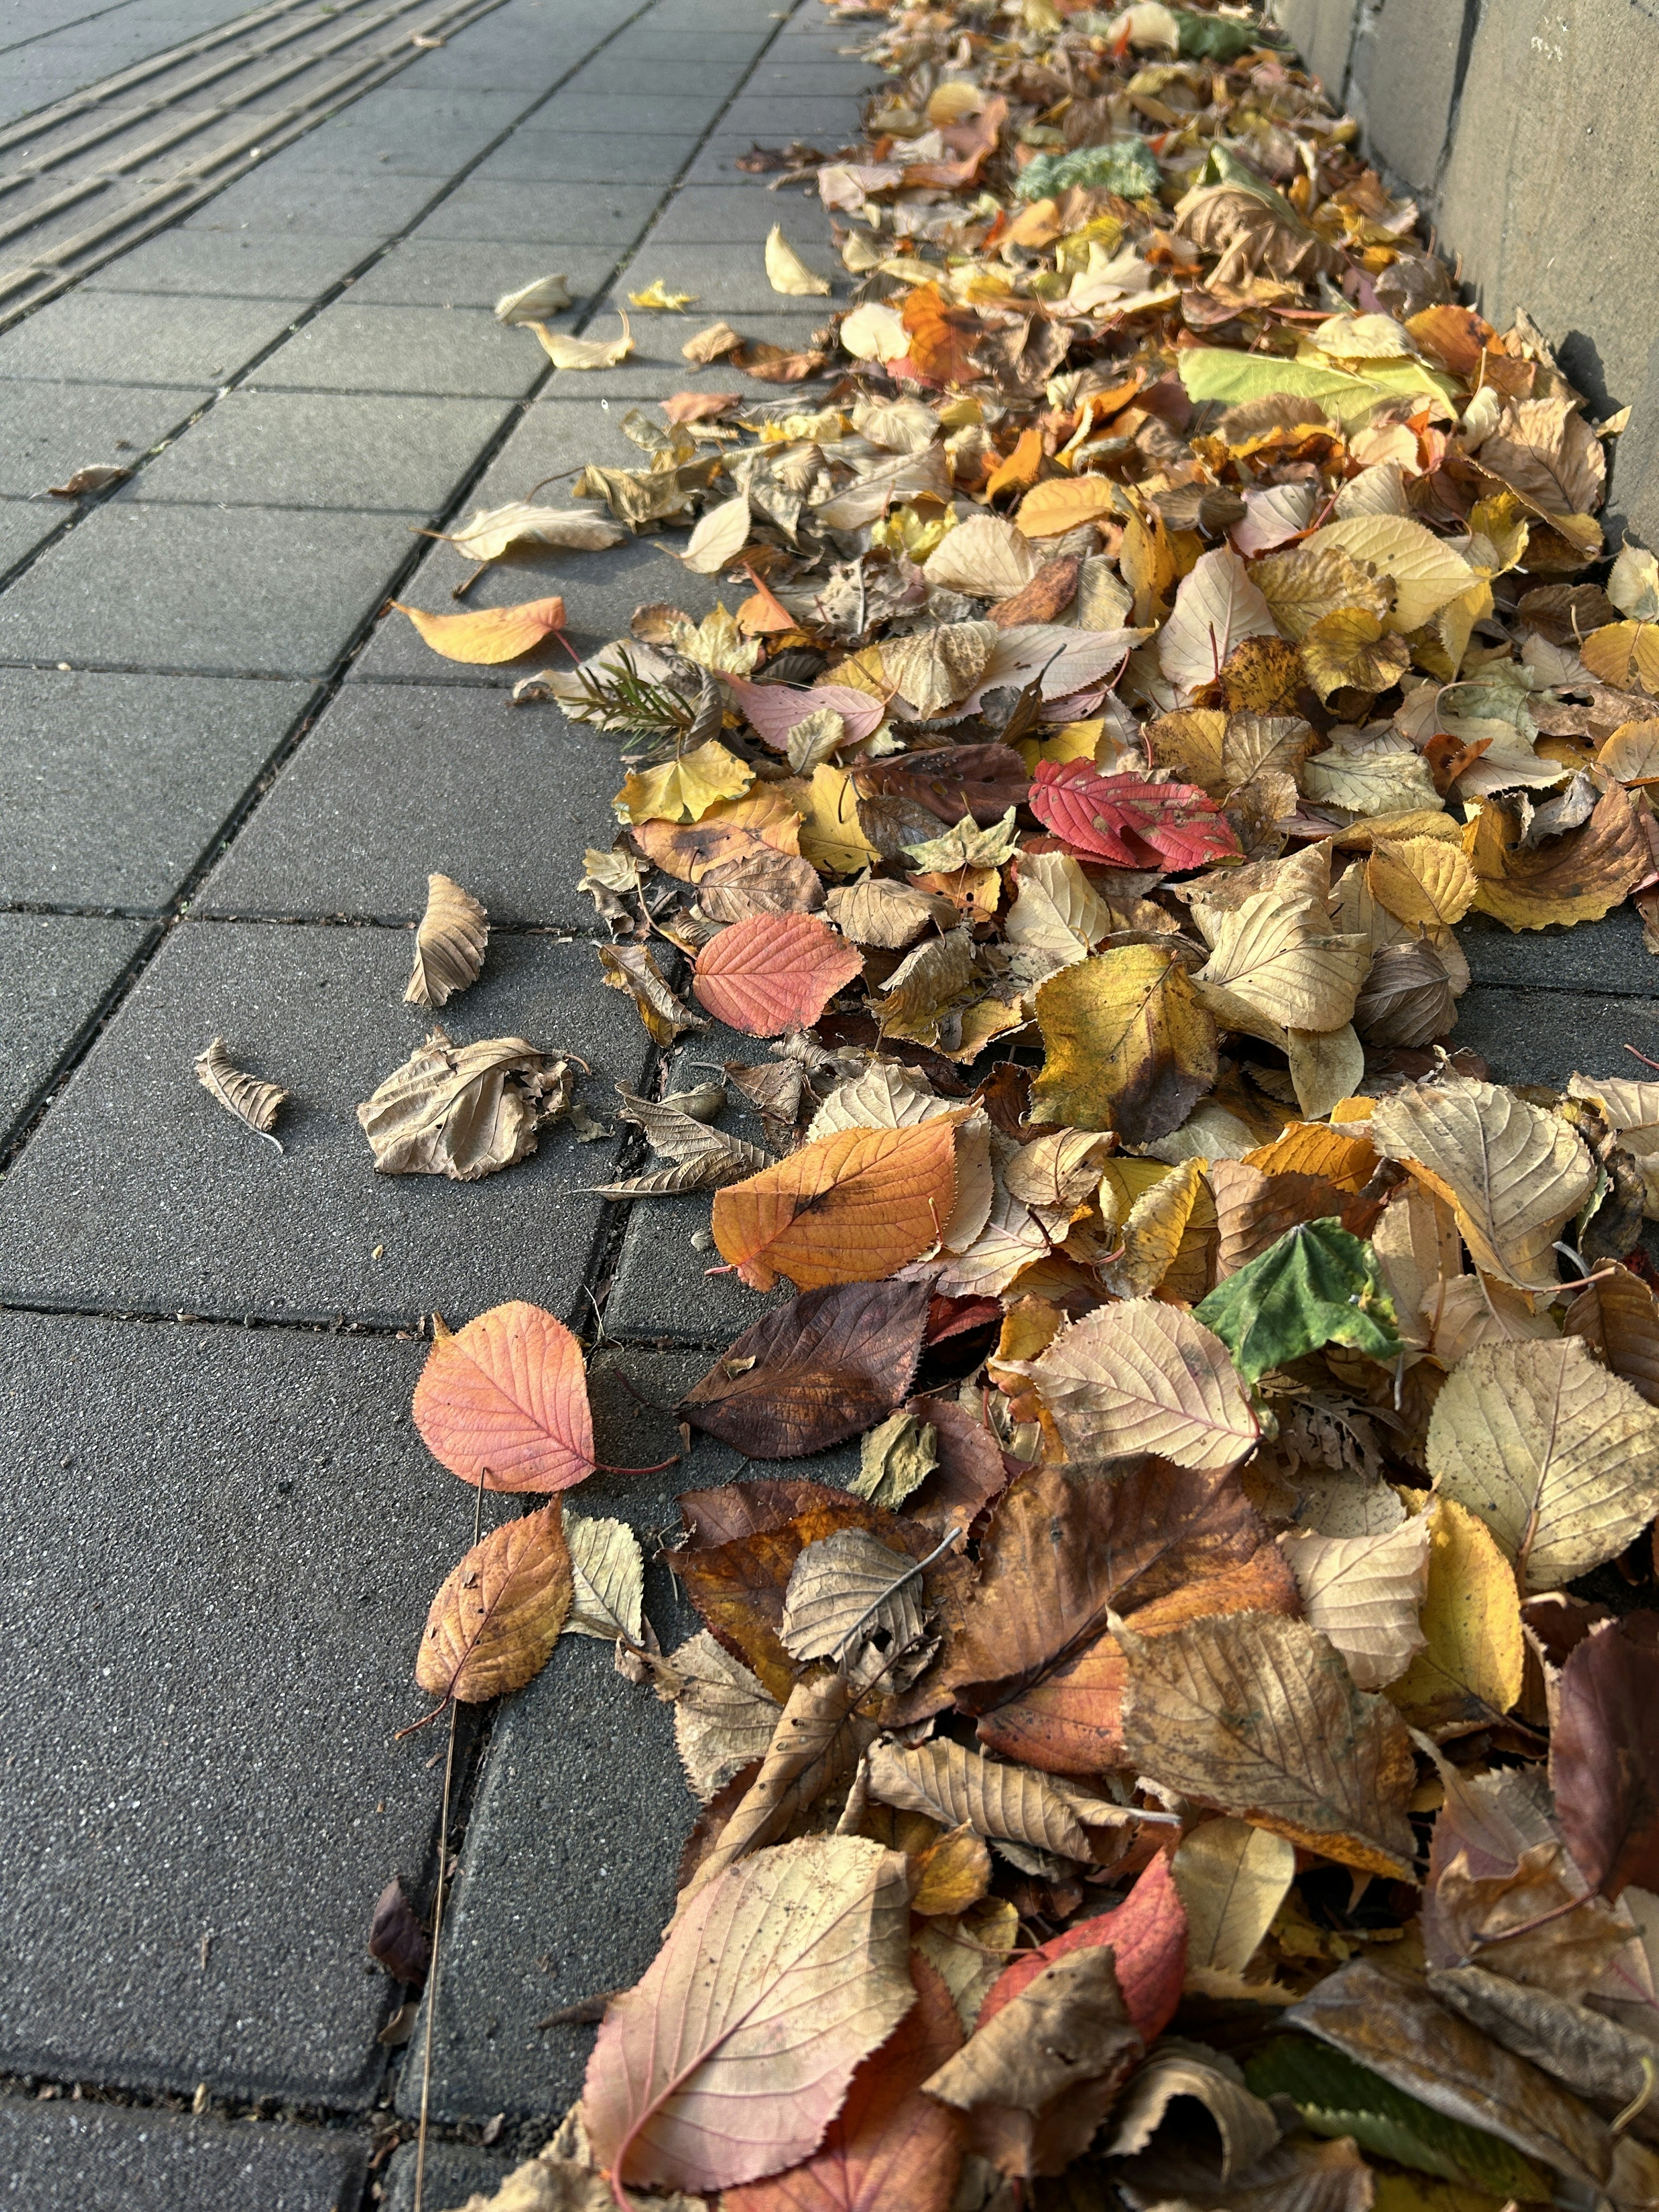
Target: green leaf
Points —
{"points": [[1220, 39], [1316, 1286], [1336, 2096], [1223, 376]]}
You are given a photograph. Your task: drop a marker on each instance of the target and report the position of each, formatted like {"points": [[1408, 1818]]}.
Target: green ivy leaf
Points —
{"points": [[1336, 2096], [1316, 1286]]}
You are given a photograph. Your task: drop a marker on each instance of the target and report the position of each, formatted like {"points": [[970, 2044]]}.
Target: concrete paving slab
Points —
{"points": [[189, 588], [731, 279], [588, 214], [252, 266], [1545, 1037], [582, 1799], [53, 429], [776, 118], [139, 1194], [536, 156], [203, 1793], [23, 525], [406, 134], [1402, 81], [60, 970], [637, 74], [528, 45], [63, 2157], [281, 198], [324, 449], [113, 787], [646, 115], [819, 74], [1607, 956], [131, 338], [656, 38], [454, 2172], [351, 346], [729, 215], [1322, 31], [442, 273], [504, 801], [717, 165]]}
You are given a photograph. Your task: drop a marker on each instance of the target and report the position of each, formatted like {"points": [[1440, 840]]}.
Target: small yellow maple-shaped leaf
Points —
{"points": [[684, 790], [657, 299]]}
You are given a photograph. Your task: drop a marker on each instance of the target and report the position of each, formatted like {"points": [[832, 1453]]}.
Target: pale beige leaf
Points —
{"points": [[711, 343], [969, 1952], [256, 1103], [849, 1590], [719, 536], [1023, 1813], [895, 1457], [1057, 911], [985, 556], [1327, 1065], [1427, 882], [1631, 1110], [534, 303], [786, 272], [449, 945], [1560, 1458], [1365, 1593], [1418, 1245], [705, 1158], [724, 1720], [1257, 1715], [585, 353], [465, 1110], [1247, 2127], [934, 668], [1216, 609], [887, 1095], [929, 988], [1314, 579], [1152, 1231], [1467, 1310], [733, 2054], [1513, 1172], [1372, 784], [1280, 957], [494, 531], [1231, 1879], [1138, 1376], [887, 916], [1057, 1173], [608, 1580]]}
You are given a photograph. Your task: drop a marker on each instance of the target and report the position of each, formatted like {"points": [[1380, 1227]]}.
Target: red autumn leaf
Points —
{"points": [[1148, 1936], [828, 1364], [949, 1317], [1128, 821], [890, 2146], [1604, 1754], [774, 972], [505, 1399]]}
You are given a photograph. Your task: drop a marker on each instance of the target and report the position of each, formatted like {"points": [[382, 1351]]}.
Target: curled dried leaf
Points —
{"points": [[449, 945], [251, 1101]]}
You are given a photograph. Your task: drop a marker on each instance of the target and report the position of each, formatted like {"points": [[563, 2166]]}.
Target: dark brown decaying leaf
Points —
{"points": [[465, 1110], [829, 1363], [397, 1940], [449, 945], [630, 967], [256, 1103], [1604, 1754]]}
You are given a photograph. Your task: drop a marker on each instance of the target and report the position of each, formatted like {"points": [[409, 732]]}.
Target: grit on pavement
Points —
{"points": [[226, 773]]}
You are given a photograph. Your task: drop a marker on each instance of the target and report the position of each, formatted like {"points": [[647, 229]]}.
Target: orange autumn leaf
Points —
{"points": [[1019, 471], [774, 972], [852, 1208], [942, 336], [1314, 1148], [505, 1400], [494, 1623], [1049, 510], [490, 634], [762, 614]]}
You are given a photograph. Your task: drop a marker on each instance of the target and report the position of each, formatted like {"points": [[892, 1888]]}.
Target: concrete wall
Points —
{"points": [[1527, 130]]}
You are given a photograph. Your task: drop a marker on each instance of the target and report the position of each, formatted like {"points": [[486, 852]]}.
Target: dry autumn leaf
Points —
{"points": [[849, 1209], [1232, 1879], [585, 353], [773, 973], [449, 944], [1138, 1376], [464, 1111], [494, 1624], [816, 1371], [492, 634], [607, 1573], [801, 1948], [256, 1103], [786, 272], [503, 1401], [1130, 1047]]}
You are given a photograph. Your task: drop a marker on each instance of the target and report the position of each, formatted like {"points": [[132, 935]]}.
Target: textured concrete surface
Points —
{"points": [[63, 2157], [60, 970], [1545, 1036], [454, 2172]]}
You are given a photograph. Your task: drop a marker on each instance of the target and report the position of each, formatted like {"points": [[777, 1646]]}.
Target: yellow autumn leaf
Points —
{"points": [[1623, 653], [1350, 651], [1049, 510], [831, 835], [489, 635], [1578, 877], [1631, 753], [684, 790], [1425, 881], [1427, 572], [786, 272], [1129, 1046], [657, 299], [1470, 1671], [585, 353]]}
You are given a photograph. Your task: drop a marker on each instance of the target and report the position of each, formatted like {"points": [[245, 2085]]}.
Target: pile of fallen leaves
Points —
{"points": [[1187, 1767]]}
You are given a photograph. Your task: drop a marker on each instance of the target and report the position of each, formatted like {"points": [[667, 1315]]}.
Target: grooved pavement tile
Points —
{"points": [[535, 50], [503, 801], [658, 367], [538, 156], [294, 203], [132, 338], [646, 78], [52, 429], [202, 1749], [112, 786], [774, 118], [323, 449], [1545, 1037], [651, 114], [253, 265], [731, 281], [454, 2172], [352, 348], [190, 588], [59, 969], [138, 1192], [582, 1802], [66, 2157], [729, 215], [405, 134]]}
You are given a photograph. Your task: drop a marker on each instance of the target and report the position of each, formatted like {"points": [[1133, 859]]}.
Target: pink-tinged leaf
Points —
{"points": [[730, 2058], [1148, 1936], [890, 2146], [774, 972], [772, 710], [1604, 1754], [1128, 821], [505, 1399]]}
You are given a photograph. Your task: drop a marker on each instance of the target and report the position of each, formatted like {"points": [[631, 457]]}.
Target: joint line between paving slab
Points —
{"points": [[608, 1238]]}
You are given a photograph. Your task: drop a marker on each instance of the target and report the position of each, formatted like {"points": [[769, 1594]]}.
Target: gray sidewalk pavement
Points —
{"points": [[224, 776]]}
